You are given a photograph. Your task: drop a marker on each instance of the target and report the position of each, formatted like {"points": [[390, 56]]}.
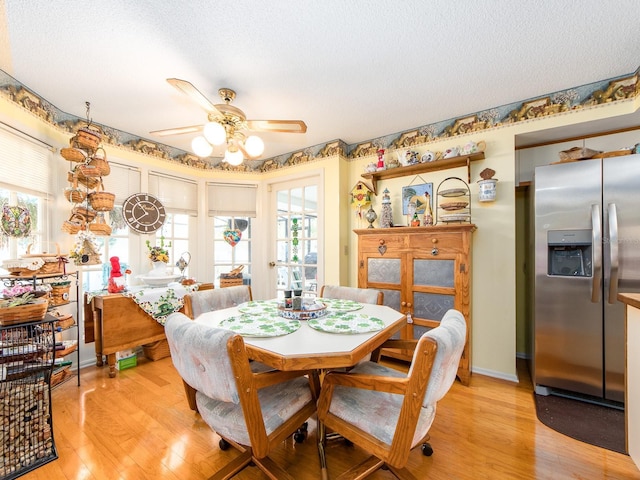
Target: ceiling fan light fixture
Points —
{"points": [[215, 133], [201, 147], [233, 156], [254, 146]]}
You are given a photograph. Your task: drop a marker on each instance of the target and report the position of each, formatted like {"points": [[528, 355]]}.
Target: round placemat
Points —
{"points": [[340, 305], [256, 307], [260, 325], [347, 323]]}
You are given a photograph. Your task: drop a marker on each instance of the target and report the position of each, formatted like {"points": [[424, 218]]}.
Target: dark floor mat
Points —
{"points": [[594, 424]]}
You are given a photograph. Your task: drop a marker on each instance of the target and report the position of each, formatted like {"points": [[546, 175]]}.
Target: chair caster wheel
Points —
{"points": [[301, 433], [223, 444], [427, 450]]}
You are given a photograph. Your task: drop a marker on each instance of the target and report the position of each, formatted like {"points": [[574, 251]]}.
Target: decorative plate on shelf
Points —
{"points": [[347, 323], [450, 206], [453, 192], [455, 217], [260, 325]]}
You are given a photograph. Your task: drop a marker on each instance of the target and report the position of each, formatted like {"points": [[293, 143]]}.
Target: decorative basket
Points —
{"points": [[61, 375], [99, 227], [230, 282], [89, 182], [87, 138], [156, 350], [86, 170], [234, 277], [53, 265], [99, 161], [24, 313], [82, 214], [71, 227], [65, 321], [75, 194], [102, 201], [577, 153], [23, 266], [60, 293], [74, 154]]}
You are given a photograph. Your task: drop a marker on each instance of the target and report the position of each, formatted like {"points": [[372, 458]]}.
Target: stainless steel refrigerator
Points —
{"points": [[587, 249]]}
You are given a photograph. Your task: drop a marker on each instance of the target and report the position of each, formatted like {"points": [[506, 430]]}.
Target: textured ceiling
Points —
{"points": [[353, 70]]}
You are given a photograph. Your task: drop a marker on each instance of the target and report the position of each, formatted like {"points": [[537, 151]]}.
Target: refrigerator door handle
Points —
{"points": [[596, 243], [614, 256]]}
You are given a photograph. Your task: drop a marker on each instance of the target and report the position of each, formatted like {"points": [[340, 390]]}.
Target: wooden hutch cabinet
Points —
{"points": [[423, 272]]}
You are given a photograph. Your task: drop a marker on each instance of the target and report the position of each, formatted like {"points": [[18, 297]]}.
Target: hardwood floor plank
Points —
{"points": [[138, 426]]}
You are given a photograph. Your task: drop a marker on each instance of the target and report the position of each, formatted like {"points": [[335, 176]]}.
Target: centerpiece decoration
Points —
{"points": [[159, 256]]}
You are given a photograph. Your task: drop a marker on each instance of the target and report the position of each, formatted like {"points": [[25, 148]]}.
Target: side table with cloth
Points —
{"points": [[345, 335], [117, 322]]}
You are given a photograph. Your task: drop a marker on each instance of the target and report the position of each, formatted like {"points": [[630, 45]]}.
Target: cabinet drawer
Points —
{"points": [[445, 242], [371, 243]]}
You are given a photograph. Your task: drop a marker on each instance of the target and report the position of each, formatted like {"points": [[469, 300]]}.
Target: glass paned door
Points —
{"points": [[297, 256]]}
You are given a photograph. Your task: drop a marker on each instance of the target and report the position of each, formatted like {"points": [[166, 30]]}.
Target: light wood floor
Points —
{"points": [[138, 426]]}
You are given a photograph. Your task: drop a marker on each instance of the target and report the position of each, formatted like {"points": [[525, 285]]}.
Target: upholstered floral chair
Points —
{"points": [[252, 412], [199, 302], [387, 412], [362, 295]]}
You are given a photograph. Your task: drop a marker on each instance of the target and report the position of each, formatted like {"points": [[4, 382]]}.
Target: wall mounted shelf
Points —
{"points": [[443, 164]]}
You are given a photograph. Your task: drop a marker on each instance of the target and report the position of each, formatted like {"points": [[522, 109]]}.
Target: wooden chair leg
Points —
{"points": [[190, 392]]}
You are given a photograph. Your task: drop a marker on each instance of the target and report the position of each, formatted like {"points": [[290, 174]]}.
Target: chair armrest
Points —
{"points": [[366, 382], [397, 344]]}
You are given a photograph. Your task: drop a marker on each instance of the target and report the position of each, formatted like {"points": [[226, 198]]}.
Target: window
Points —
{"points": [[228, 256], [13, 247], [25, 186], [122, 181], [96, 277], [175, 232], [232, 207]]}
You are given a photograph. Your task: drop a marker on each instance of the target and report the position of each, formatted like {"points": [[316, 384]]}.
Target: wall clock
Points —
{"points": [[143, 212]]}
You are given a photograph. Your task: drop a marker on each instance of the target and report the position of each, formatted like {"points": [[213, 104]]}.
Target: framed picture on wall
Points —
{"points": [[417, 194]]}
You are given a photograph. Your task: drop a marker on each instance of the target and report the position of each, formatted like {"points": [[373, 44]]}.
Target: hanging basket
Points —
{"points": [[100, 227], [74, 154], [75, 194], [82, 214], [100, 163], [87, 138], [71, 227], [89, 182], [102, 201]]}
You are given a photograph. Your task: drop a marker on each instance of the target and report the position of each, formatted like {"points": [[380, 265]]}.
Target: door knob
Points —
{"points": [[272, 264]]}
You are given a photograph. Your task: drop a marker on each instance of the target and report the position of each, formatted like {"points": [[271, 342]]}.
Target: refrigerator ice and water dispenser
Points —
{"points": [[569, 253]]}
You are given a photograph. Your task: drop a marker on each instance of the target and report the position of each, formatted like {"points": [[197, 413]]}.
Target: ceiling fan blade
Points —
{"points": [[177, 131], [284, 126], [192, 92]]}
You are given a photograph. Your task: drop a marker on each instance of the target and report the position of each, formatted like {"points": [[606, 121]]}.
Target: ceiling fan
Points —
{"points": [[227, 123]]}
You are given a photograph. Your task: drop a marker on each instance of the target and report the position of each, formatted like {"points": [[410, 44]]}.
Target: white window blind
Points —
{"points": [[26, 163], [232, 200], [123, 181], [178, 195]]}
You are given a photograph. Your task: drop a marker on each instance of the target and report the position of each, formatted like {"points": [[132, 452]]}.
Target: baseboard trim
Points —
{"points": [[494, 374]]}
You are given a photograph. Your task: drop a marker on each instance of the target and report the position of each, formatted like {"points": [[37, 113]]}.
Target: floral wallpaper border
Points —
{"points": [[593, 94]]}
